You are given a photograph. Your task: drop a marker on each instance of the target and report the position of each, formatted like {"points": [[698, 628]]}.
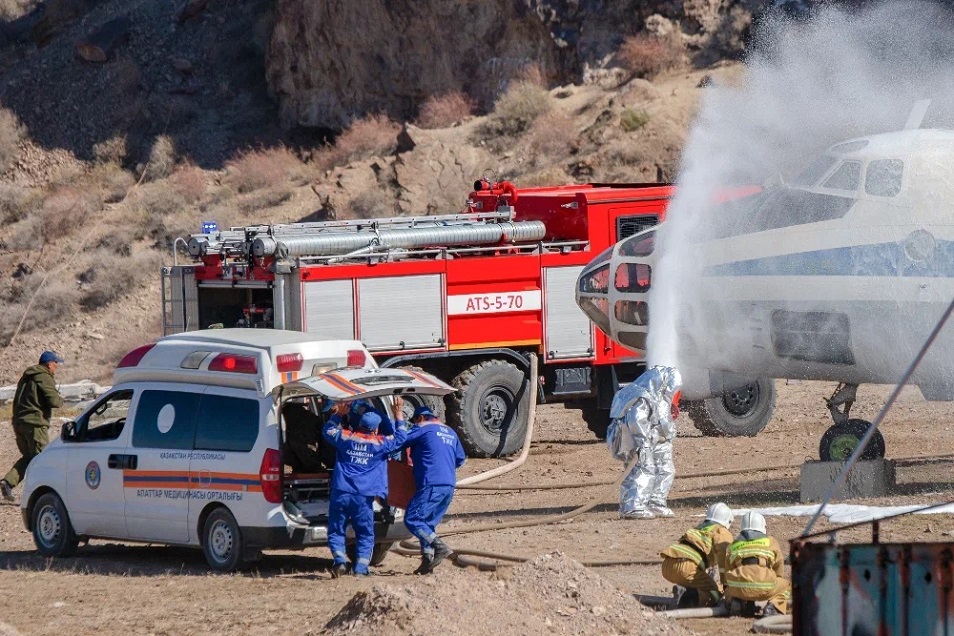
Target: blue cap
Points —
{"points": [[327, 406], [50, 356], [370, 421], [422, 410], [356, 405]]}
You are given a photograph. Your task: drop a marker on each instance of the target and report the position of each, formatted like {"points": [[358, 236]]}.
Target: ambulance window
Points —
{"points": [[226, 424], [883, 178], [165, 419], [596, 282], [846, 177], [106, 420]]}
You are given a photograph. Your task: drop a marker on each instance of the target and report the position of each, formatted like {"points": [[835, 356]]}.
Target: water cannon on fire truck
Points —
{"points": [[481, 291]]}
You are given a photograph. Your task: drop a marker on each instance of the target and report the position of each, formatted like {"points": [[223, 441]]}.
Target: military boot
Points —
{"points": [[441, 552]]}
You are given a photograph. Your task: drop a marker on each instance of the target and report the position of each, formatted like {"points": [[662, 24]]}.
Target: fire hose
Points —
{"points": [[492, 560]]}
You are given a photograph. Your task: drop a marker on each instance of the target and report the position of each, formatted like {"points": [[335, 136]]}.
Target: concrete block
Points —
{"points": [[870, 478]]}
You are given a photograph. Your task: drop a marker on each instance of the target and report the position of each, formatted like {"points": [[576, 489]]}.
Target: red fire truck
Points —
{"points": [[466, 297]]}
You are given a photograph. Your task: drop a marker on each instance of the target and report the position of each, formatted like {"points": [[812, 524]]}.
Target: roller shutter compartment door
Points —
{"points": [[329, 309], [401, 312], [568, 331]]}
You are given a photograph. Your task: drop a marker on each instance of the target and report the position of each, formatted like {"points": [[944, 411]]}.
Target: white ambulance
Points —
{"points": [[186, 447]]}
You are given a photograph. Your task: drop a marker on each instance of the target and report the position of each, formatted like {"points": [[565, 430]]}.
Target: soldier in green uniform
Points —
{"points": [[35, 399]]}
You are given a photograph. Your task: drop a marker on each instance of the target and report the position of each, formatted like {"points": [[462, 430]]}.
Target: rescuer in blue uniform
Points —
{"points": [[436, 453], [359, 476]]}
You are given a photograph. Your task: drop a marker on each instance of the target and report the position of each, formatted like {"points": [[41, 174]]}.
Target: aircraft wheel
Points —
{"points": [[742, 412], [840, 441]]}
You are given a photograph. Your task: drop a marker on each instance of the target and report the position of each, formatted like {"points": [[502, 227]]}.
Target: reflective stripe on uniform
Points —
{"points": [[751, 585], [687, 553]]}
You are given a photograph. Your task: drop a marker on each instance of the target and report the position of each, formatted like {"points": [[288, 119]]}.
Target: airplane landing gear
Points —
{"points": [[841, 439]]}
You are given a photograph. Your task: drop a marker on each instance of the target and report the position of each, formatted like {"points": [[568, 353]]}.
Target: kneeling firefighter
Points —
{"points": [[688, 561], [754, 569], [643, 417]]}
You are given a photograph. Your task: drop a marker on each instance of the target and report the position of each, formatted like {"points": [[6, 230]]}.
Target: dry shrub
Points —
{"points": [[264, 200], [516, 110], [548, 176], [112, 180], [442, 111], [162, 159], [256, 169], [12, 133], [17, 203], [112, 277], [648, 55], [12, 9], [371, 136], [112, 150], [551, 136], [190, 182], [532, 73], [371, 203], [66, 210], [159, 211], [52, 304], [632, 119]]}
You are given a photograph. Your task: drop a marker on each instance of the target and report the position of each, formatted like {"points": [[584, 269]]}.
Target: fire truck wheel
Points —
{"points": [[739, 413], [433, 402], [489, 409], [597, 419]]}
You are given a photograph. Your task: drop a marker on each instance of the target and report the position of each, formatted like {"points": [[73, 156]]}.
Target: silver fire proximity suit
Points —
{"points": [[642, 424]]}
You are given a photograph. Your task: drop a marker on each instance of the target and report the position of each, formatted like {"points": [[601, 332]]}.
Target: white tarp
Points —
{"points": [[844, 513]]}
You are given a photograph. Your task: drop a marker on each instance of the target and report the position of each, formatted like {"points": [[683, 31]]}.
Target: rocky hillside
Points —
{"points": [[126, 123]]}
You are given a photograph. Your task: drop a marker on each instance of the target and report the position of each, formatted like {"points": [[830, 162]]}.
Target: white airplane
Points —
{"points": [[840, 275]]}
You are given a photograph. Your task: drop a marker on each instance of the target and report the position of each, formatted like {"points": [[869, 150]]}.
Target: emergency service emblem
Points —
{"points": [[93, 475]]}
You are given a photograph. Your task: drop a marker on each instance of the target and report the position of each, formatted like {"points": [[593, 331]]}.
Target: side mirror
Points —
{"points": [[68, 432]]}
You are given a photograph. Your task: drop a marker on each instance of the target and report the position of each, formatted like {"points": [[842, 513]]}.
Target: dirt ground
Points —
{"points": [[111, 589]]}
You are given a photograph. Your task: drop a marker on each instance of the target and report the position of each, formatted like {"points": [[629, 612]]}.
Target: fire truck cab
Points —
{"points": [[466, 297]]}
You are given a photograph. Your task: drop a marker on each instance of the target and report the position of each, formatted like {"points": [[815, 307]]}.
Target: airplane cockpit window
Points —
{"points": [[641, 245], [596, 282], [598, 311], [775, 208], [633, 278], [818, 168], [846, 177], [883, 177], [850, 146]]}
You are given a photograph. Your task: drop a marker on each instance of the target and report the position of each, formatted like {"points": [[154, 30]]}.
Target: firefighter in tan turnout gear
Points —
{"points": [[688, 561], [754, 569]]}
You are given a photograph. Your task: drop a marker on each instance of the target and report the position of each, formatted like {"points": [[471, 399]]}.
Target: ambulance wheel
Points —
{"points": [[222, 541], [433, 402], [489, 409], [742, 412], [841, 440], [52, 531], [597, 419]]}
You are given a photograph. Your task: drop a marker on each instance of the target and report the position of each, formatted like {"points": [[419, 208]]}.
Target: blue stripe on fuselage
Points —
{"points": [[882, 259]]}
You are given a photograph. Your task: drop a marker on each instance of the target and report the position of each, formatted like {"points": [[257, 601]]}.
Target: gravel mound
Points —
{"points": [[551, 594]]}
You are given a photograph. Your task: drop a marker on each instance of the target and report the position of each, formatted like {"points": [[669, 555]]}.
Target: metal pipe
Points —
{"points": [[698, 612], [877, 421], [278, 301], [334, 243]]}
